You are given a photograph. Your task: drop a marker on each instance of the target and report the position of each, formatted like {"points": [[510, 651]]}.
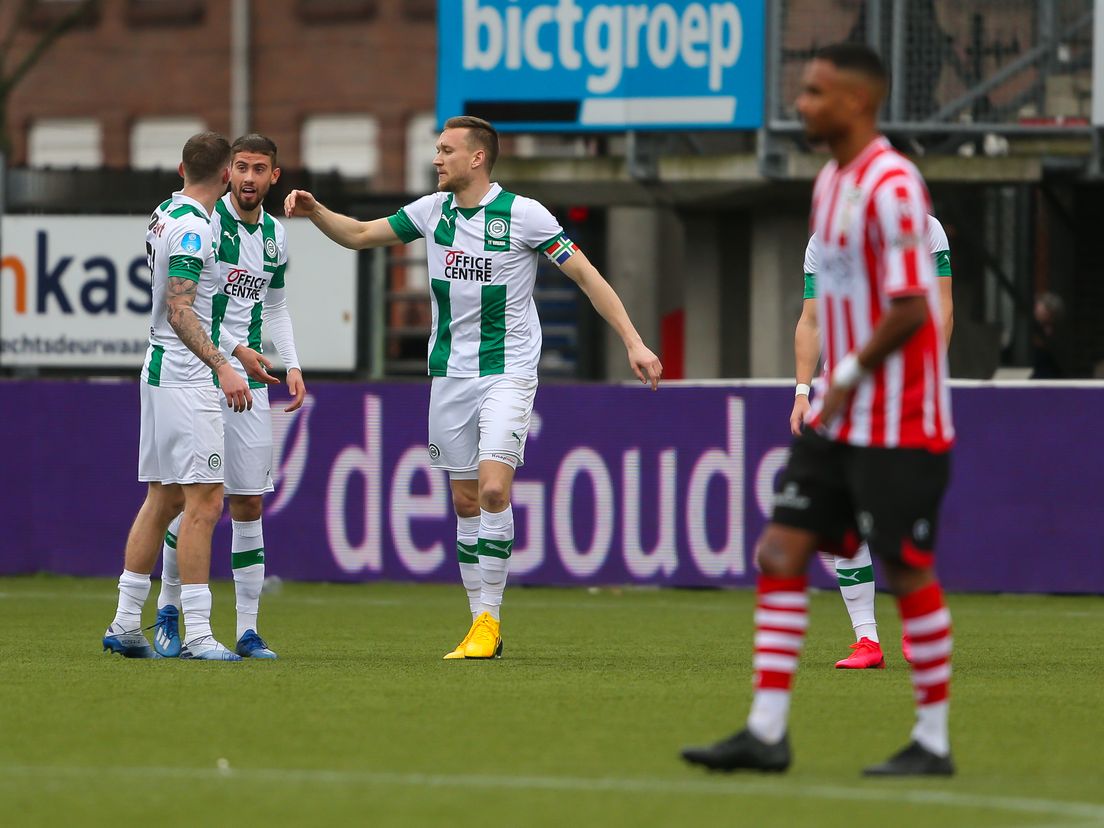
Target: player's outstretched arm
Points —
{"points": [[605, 300], [345, 230], [182, 317], [806, 356]]}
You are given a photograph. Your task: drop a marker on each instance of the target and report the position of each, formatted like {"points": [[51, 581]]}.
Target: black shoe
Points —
{"points": [[914, 760], [741, 751]]}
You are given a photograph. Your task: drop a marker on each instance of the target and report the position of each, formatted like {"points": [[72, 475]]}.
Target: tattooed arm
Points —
{"points": [[182, 317]]}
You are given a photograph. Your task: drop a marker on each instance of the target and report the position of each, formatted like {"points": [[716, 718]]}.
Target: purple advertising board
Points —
{"points": [[620, 486]]}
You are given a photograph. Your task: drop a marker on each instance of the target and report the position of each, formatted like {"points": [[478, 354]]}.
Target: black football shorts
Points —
{"points": [[888, 497]]}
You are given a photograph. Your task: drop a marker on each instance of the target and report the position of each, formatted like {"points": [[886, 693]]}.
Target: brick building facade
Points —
{"points": [[140, 62]]}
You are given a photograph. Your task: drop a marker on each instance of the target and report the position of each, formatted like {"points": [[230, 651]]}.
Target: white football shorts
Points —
{"points": [[472, 419], [248, 457], [181, 435]]}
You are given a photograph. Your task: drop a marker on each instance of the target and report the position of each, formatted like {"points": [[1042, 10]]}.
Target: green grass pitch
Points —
{"points": [[360, 722]]}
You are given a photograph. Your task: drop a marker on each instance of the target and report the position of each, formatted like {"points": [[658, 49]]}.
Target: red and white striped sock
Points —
{"points": [[927, 624], [781, 616]]}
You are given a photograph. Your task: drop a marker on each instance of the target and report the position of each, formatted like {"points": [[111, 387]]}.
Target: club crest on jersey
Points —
{"points": [[190, 243], [496, 234], [270, 248], [498, 228]]}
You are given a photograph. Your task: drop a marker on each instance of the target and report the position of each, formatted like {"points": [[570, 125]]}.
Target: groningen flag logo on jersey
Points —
{"points": [[560, 249]]}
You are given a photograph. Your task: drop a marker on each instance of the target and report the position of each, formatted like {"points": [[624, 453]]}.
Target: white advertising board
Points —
{"points": [[75, 293]]}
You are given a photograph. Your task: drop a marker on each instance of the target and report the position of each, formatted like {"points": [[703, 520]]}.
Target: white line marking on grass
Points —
{"points": [[520, 600], [732, 786], [368, 601]]}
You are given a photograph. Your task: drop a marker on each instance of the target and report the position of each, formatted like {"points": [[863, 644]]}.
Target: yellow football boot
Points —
{"points": [[459, 651], [484, 640]]}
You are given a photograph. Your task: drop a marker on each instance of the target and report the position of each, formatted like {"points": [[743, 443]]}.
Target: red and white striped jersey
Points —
{"points": [[869, 222]]}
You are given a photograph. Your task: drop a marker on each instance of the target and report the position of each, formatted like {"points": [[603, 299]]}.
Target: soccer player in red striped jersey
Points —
{"points": [[875, 462], [856, 575]]}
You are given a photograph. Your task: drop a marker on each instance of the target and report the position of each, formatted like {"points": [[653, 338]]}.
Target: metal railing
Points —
{"points": [[1009, 67]]}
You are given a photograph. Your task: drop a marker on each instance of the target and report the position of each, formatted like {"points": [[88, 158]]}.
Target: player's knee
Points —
{"points": [[494, 496], [465, 503], [172, 506], [246, 508], [205, 508], [167, 500], [774, 557], [904, 579]]}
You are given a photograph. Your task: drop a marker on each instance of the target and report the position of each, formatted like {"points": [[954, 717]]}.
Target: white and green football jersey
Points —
{"points": [[937, 243], [482, 268], [179, 243], [252, 260]]}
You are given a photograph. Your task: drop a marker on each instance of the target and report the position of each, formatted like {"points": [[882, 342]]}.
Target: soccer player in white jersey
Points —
{"points": [[874, 462], [483, 244], [856, 575], [251, 298], [181, 440]]}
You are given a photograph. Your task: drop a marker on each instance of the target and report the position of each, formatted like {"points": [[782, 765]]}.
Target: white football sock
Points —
{"points": [[931, 729], [496, 543], [170, 571], [856, 583], [770, 710], [196, 600], [133, 590], [467, 542], [247, 561]]}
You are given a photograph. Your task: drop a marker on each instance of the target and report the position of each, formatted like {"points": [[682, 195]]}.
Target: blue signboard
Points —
{"points": [[602, 65]]}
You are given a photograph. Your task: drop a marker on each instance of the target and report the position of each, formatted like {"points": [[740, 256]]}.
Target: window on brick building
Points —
{"points": [[155, 143], [421, 142], [65, 142], [421, 10], [327, 11], [164, 12], [347, 144], [45, 14]]}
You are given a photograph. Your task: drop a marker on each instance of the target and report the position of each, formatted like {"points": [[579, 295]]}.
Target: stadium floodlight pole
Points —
{"points": [[874, 25], [1097, 85], [899, 90], [240, 14]]}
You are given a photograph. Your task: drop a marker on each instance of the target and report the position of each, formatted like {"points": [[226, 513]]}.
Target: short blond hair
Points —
{"points": [[479, 131]]}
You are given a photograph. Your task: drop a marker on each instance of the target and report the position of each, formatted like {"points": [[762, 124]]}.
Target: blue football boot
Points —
{"points": [[166, 632], [251, 645], [207, 649], [132, 644]]}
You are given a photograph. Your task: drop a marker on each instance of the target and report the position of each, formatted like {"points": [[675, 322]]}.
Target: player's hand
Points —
{"points": [[645, 365], [834, 402], [297, 388], [799, 413], [299, 203], [235, 388], [255, 365]]}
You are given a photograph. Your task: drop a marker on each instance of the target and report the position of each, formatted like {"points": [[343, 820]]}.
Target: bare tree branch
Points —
{"points": [[57, 29], [18, 21]]}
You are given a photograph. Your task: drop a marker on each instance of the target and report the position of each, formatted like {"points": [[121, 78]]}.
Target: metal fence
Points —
{"points": [[1002, 66]]}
